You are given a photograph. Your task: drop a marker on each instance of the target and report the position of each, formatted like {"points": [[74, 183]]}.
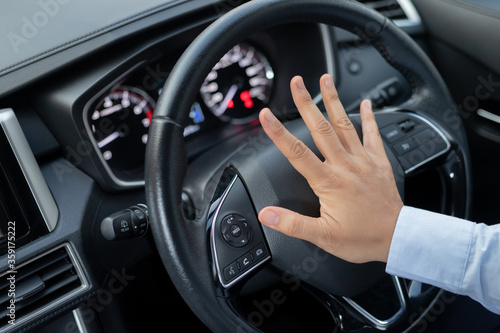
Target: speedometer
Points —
{"points": [[120, 124], [239, 85]]}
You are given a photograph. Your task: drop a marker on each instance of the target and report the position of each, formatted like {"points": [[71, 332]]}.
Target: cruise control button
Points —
{"points": [[404, 147], [391, 133], [424, 136], [231, 271], [434, 146], [413, 158]]}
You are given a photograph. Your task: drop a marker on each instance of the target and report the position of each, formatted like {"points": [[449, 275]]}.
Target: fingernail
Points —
{"points": [[269, 218], [300, 84], [369, 104], [269, 116], [329, 81]]}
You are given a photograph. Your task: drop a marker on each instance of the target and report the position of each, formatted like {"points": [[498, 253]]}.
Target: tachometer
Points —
{"points": [[120, 124], [239, 85]]}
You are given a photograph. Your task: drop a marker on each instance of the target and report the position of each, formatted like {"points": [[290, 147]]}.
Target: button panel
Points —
{"points": [[245, 262], [413, 140], [236, 230], [237, 240]]}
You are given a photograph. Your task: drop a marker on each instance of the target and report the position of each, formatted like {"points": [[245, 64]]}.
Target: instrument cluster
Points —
{"points": [[233, 93]]}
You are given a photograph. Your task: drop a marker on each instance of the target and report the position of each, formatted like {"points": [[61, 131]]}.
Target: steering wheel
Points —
{"points": [[211, 255]]}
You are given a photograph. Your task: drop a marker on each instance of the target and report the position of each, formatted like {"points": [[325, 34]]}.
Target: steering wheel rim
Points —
{"points": [[183, 245]]}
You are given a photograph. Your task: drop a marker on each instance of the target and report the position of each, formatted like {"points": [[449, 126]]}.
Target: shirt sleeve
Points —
{"points": [[450, 253]]}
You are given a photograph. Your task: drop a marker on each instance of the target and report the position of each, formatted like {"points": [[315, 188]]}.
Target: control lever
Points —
{"points": [[129, 223], [386, 93]]}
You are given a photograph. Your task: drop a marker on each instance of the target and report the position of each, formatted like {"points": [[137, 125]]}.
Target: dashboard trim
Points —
{"points": [[30, 169], [115, 83], [414, 20], [85, 285]]}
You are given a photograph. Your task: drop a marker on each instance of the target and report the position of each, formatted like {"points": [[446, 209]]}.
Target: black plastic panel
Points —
{"points": [[238, 243]]}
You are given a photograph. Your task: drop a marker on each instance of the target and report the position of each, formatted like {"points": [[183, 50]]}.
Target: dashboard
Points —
{"points": [[84, 98]]}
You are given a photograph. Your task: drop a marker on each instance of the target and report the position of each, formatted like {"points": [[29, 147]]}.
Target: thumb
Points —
{"points": [[290, 223]]}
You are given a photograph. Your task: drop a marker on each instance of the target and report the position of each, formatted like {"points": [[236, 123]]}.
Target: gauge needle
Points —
{"points": [[230, 95], [112, 137], [113, 109]]}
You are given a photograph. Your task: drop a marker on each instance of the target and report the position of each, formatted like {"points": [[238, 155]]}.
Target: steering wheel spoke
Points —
{"points": [[237, 243]]}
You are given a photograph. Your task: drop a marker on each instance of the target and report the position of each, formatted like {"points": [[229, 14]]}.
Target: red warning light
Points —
{"points": [[246, 97]]}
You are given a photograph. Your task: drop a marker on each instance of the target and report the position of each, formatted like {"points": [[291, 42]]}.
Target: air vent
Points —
{"points": [[390, 8], [39, 285]]}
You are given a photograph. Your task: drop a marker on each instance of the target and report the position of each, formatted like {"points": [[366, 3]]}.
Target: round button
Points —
{"points": [[236, 230]]}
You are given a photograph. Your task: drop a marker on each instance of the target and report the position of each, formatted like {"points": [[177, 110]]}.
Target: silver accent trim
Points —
{"points": [[29, 167], [220, 272], [488, 115], [77, 316], [117, 181], [424, 313], [79, 271], [326, 37], [383, 325], [412, 14]]}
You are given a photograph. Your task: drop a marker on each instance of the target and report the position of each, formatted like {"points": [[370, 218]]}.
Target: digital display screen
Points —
{"points": [[20, 216], [10, 210]]}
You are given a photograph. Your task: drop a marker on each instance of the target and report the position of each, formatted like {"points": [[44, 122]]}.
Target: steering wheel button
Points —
{"points": [[391, 133], [413, 158], [245, 261], [404, 147], [235, 230], [433, 147], [231, 271], [259, 252], [424, 136]]}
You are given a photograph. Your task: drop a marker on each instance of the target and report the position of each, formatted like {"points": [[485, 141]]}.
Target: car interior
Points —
{"points": [[133, 163]]}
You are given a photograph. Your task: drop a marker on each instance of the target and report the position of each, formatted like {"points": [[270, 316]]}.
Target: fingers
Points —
{"points": [[372, 141], [321, 129], [291, 223], [299, 155], [338, 117]]}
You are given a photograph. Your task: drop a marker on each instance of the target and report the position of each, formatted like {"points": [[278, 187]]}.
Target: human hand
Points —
{"points": [[355, 184]]}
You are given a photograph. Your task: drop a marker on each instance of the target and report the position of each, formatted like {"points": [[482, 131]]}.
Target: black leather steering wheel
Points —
{"points": [[198, 253]]}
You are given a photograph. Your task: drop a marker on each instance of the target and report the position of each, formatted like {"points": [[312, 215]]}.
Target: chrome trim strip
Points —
{"points": [[410, 11], [326, 38], [220, 271], [412, 14], [72, 294], [488, 115], [29, 166], [382, 325], [424, 313], [79, 321]]}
